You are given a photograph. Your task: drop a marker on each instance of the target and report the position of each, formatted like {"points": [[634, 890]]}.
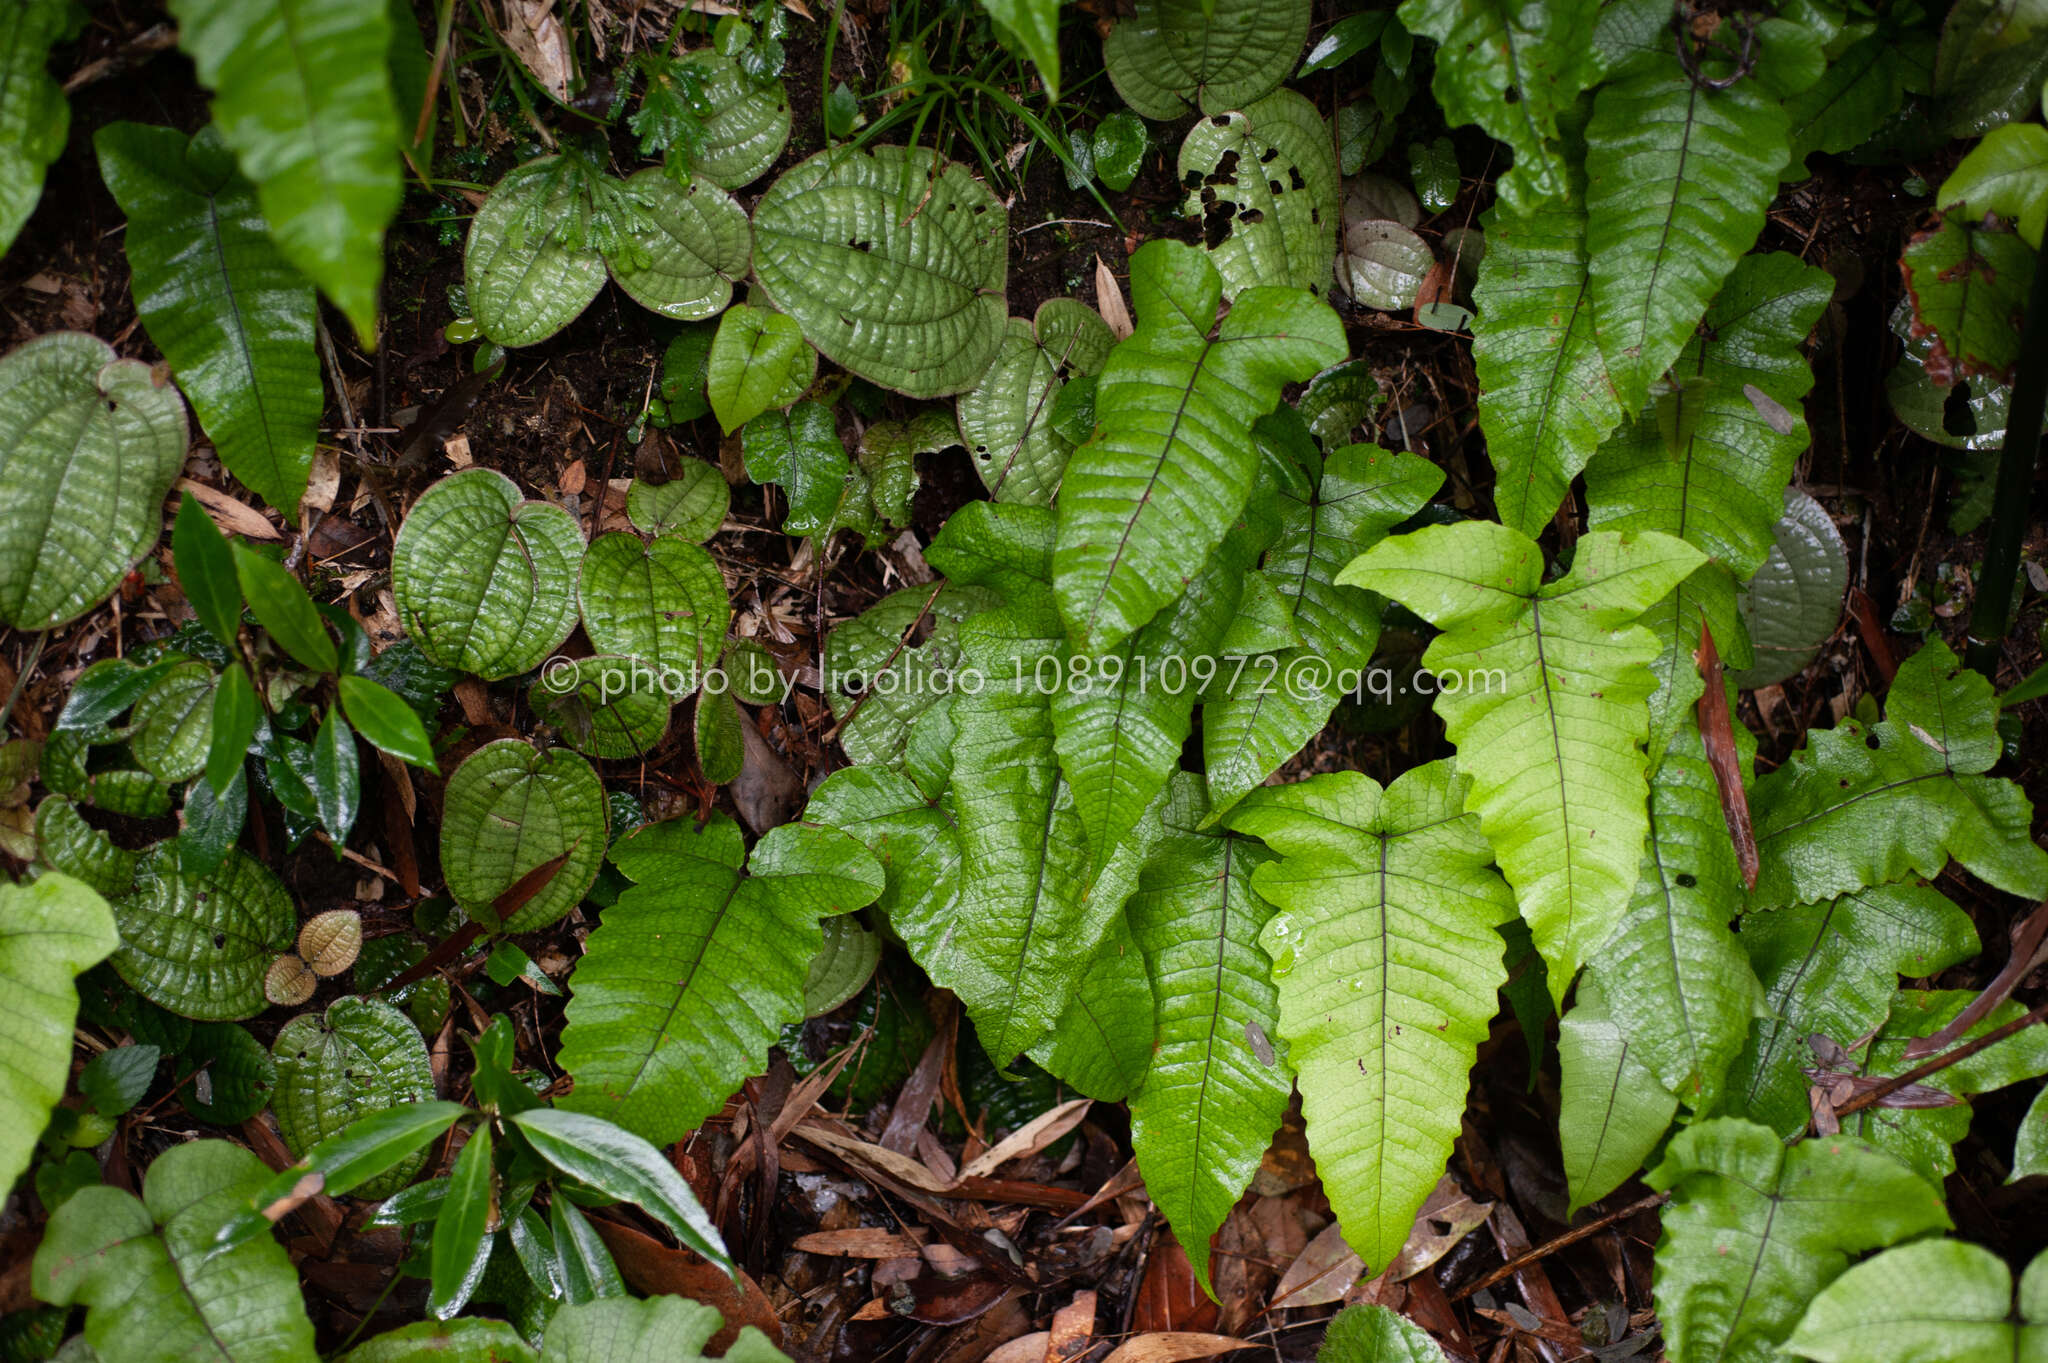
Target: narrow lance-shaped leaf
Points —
{"points": [[1213, 1097], [51, 930], [1755, 1228], [462, 1240], [1513, 70], [282, 606], [1614, 1109], [229, 312], [1865, 806], [1677, 984], [206, 571], [302, 94], [1387, 962], [1678, 177], [365, 1149], [696, 969], [1541, 686], [1171, 464], [1546, 399]]}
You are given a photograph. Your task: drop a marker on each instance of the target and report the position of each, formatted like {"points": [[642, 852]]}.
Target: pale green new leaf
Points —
{"points": [[1613, 1108], [1210, 1102], [1387, 962], [665, 1329], [1376, 1334], [1513, 70], [1864, 806], [523, 281], [893, 261], [918, 847], [511, 808], [231, 315], [1547, 708], [89, 446], [34, 115], [1677, 984], [759, 360], [695, 243], [1251, 728], [1831, 969], [1677, 180], [691, 506], [302, 94], [662, 600], [1263, 181], [1934, 1301], [1170, 58], [1546, 400], [1006, 419], [146, 1271], [51, 930], [2006, 174], [361, 1056], [1755, 1228], [484, 581], [693, 973], [201, 945], [1172, 462]]}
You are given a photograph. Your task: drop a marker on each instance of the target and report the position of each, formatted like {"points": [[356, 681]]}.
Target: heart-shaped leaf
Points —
{"points": [[748, 125], [483, 580], [1794, 601], [1006, 419], [1169, 58], [799, 448], [1264, 183], [759, 360], [172, 725], [201, 945], [361, 1056], [696, 243], [510, 809], [34, 116], [690, 506], [613, 708], [892, 261], [89, 445], [661, 600], [525, 283], [1383, 264]]}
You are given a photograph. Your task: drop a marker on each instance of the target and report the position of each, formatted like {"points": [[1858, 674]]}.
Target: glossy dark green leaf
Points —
{"points": [[382, 716], [362, 1056], [586, 1267], [212, 822], [618, 1163], [282, 607], [462, 1240], [366, 1148], [337, 777], [229, 312], [115, 1080], [206, 570], [234, 726]]}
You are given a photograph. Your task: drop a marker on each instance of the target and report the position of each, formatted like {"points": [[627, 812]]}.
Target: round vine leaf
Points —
{"points": [[66, 842], [893, 262], [661, 600], [700, 245], [484, 581], [748, 125], [173, 723], [1794, 602], [1264, 183], [201, 945], [1383, 264], [361, 1056], [842, 967], [89, 446], [523, 284], [1006, 419], [759, 361], [1118, 149], [225, 1076], [1380, 198], [690, 506], [510, 809], [1172, 57], [612, 708]]}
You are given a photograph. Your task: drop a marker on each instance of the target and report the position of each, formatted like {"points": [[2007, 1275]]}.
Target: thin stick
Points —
{"points": [[1556, 1243]]}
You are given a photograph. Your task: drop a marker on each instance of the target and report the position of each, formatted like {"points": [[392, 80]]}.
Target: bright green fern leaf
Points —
{"points": [[1150, 496], [1546, 400], [695, 971], [1677, 180], [1219, 1080], [1542, 688], [1830, 969], [1513, 70], [1613, 1108], [1677, 984], [1933, 1301], [1102, 1043], [1864, 806], [1754, 1229], [1385, 953]]}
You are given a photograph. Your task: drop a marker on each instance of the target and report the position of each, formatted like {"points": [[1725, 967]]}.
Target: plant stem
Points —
{"points": [[2015, 483], [1877, 1093]]}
